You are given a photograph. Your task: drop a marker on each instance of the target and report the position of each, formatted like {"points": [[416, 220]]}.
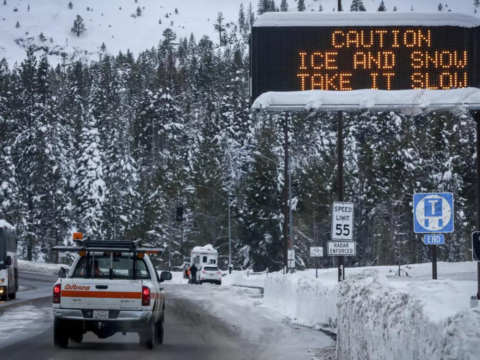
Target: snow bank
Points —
{"points": [[409, 101], [281, 19], [40, 268], [305, 300], [4, 224], [429, 320]]}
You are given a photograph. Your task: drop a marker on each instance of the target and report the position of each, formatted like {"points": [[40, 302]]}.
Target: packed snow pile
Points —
{"points": [[409, 101], [305, 300], [424, 320], [40, 268]]}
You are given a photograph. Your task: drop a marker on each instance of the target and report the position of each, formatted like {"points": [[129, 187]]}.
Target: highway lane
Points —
{"points": [[32, 286], [195, 329]]}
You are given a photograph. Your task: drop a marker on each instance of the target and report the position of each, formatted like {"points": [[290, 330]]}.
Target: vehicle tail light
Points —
{"points": [[57, 294], [219, 272], [146, 296], [204, 272]]}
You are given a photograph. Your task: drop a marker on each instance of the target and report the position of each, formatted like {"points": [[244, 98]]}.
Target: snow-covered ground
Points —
{"points": [[40, 268], [111, 21], [378, 315]]}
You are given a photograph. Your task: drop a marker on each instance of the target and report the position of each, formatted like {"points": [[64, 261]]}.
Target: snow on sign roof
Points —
{"points": [[299, 19], [408, 101], [4, 224]]}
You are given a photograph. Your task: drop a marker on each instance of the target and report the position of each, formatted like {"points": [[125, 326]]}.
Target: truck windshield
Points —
{"points": [[99, 268]]}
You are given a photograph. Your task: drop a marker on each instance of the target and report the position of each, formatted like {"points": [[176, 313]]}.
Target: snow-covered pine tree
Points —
{"points": [[70, 5], [220, 28], [440, 7], [394, 8], [78, 26], [17, 25], [139, 11], [284, 5], [476, 3], [241, 19], [382, 7], [301, 5], [320, 8]]}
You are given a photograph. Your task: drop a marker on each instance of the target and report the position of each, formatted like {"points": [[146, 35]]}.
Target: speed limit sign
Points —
{"points": [[342, 221]]}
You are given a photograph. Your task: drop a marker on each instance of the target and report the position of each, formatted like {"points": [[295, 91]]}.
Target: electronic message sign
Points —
{"points": [[295, 58]]}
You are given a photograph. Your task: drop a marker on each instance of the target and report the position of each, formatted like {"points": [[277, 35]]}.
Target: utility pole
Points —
{"points": [[285, 198], [341, 259], [229, 237]]}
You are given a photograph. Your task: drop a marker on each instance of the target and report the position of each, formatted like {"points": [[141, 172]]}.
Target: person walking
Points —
{"points": [[193, 273]]}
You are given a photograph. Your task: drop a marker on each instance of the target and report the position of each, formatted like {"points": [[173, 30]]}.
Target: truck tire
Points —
{"points": [[13, 296], [147, 336], [3, 297], [76, 335], [60, 334], [160, 330]]}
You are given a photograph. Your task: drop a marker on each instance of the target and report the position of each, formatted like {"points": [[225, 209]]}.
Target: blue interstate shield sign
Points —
{"points": [[433, 213], [434, 239]]}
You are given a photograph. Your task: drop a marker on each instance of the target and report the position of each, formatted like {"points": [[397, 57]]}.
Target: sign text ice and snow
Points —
{"points": [[433, 213], [341, 248], [342, 221], [342, 57]]}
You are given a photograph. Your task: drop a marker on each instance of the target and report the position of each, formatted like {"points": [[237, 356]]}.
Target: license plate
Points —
{"points": [[100, 314]]}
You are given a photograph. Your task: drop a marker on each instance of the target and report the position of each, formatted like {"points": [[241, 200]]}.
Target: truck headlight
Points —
{"points": [[2, 281]]}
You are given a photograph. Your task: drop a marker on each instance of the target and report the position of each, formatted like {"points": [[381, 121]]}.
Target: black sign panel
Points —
{"points": [[354, 58], [476, 245]]}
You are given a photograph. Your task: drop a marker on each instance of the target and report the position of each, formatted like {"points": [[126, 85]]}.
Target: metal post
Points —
{"points": [[339, 5], [341, 259], [285, 198], [477, 119], [290, 217], [229, 238], [434, 262]]}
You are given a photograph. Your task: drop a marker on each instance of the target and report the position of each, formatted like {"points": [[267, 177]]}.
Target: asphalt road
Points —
{"points": [[32, 286], [192, 332]]}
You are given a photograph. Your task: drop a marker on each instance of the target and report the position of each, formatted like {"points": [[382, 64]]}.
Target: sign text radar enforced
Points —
{"points": [[342, 221]]}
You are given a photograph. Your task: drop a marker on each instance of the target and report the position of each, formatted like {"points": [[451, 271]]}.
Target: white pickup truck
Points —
{"points": [[111, 287]]}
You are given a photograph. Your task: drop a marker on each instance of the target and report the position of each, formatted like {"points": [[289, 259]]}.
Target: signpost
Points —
{"points": [[342, 248], [291, 259], [433, 213], [476, 246], [316, 252]]}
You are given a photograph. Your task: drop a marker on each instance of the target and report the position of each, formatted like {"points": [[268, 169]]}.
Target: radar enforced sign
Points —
{"points": [[341, 248]]}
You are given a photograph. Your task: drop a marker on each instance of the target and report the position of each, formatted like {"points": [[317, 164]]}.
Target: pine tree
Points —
{"points": [[357, 5], [394, 8], [28, 8], [301, 5], [4, 2], [476, 3], [42, 37], [139, 11], [284, 5], [176, 11], [17, 25], [382, 7], [440, 7], [103, 48], [70, 5], [320, 8], [78, 26], [241, 19], [220, 27]]}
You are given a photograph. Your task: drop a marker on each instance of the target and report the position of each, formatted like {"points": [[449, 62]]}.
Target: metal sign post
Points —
{"points": [[316, 252]]}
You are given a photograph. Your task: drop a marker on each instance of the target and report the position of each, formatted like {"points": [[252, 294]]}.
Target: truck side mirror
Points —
{"points": [[166, 275], [9, 261]]}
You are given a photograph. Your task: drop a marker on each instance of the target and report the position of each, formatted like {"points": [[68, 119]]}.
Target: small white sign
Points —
{"points": [[342, 248], [291, 259], [316, 252], [342, 221]]}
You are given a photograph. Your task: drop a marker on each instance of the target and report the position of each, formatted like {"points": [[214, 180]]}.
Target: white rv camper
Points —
{"points": [[204, 255]]}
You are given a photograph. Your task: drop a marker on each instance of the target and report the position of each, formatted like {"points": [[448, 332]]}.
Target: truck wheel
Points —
{"points": [[60, 334], [147, 337], [3, 297], [160, 330], [13, 296]]}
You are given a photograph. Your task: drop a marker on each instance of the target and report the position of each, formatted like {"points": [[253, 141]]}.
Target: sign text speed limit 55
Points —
{"points": [[342, 222]]}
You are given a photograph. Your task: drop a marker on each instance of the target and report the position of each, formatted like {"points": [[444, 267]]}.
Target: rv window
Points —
{"points": [[213, 261], [204, 259]]}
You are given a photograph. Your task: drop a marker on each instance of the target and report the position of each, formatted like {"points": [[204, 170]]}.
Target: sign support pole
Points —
{"points": [[434, 262], [285, 197], [341, 259], [476, 116]]}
